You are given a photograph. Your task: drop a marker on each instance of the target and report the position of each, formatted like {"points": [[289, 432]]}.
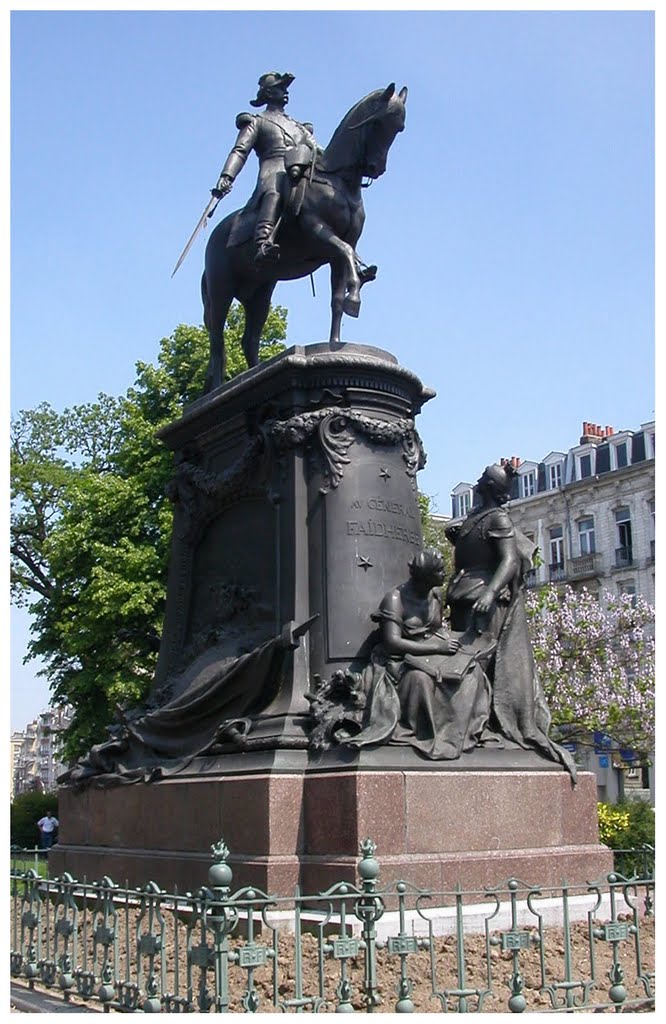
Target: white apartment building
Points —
{"points": [[35, 759], [15, 745], [590, 510]]}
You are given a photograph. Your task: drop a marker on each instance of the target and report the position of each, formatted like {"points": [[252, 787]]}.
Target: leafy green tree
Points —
{"points": [[433, 532], [91, 527]]}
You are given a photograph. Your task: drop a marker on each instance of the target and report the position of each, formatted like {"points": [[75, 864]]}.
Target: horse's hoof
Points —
{"points": [[352, 307], [367, 274]]}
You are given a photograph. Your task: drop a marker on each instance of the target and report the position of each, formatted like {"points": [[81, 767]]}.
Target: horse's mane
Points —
{"points": [[345, 146]]}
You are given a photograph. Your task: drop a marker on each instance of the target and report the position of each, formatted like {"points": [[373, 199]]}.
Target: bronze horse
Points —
{"points": [[325, 230]]}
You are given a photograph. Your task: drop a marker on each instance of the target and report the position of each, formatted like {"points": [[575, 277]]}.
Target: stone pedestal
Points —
{"points": [[289, 821], [295, 499], [295, 496]]}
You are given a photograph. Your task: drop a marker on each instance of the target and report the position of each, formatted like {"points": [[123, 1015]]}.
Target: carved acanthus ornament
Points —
{"points": [[202, 494], [336, 430]]}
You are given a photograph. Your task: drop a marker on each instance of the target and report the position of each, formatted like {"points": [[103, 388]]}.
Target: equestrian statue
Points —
{"points": [[306, 211]]}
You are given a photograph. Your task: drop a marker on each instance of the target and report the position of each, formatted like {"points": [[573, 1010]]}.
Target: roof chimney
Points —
{"points": [[592, 433]]}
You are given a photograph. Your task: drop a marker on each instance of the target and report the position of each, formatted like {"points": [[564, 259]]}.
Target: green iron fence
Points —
{"points": [[355, 947]]}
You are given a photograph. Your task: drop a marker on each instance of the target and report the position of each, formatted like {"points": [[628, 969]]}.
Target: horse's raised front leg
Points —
{"points": [[256, 308], [339, 253]]}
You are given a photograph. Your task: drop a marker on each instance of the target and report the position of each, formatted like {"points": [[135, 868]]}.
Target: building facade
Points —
{"points": [[15, 746], [590, 511], [35, 753]]}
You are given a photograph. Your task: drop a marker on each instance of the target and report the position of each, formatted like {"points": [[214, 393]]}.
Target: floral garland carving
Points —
{"points": [[202, 494], [336, 429]]}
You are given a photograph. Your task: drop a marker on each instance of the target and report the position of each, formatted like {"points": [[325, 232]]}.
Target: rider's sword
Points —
{"points": [[208, 212]]}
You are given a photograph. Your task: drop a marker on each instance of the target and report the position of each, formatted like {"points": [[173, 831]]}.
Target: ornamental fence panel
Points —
{"points": [[361, 946]]}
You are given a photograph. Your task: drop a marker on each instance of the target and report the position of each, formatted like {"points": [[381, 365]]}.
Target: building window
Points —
{"points": [[628, 587], [586, 536], [527, 485], [555, 475], [624, 549], [462, 504], [585, 466], [556, 551], [621, 455]]}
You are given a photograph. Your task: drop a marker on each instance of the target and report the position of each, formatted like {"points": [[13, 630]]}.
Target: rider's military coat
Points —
{"points": [[270, 135]]}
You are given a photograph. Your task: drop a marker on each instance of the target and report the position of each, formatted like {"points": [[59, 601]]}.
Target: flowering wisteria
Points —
{"points": [[596, 662]]}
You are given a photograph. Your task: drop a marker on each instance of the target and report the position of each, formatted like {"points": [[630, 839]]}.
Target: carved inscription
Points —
{"points": [[372, 528], [401, 527]]}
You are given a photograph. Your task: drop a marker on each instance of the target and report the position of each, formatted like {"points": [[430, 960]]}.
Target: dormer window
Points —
{"points": [[461, 500], [464, 503], [649, 439], [554, 464], [585, 464], [620, 450], [527, 485]]}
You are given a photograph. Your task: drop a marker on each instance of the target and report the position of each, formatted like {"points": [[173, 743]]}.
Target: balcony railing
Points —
{"points": [[584, 565], [557, 572], [623, 558]]}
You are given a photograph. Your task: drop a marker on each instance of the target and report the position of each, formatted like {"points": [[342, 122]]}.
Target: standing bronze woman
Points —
{"points": [[486, 597]]}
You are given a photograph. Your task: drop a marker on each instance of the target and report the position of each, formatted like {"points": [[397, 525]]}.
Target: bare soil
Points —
{"points": [[419, 971], [435, 980]]}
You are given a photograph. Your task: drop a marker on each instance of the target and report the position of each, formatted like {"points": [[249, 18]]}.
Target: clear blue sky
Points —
{"points": [[514, 228]]}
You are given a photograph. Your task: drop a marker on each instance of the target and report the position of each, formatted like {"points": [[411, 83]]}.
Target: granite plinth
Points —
{"points": [[436, 829]]}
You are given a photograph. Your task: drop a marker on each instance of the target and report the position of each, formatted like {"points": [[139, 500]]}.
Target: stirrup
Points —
{"points": [[267, 251]]}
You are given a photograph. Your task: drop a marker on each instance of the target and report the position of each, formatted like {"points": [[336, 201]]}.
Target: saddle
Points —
{"points": [[299, 162]]}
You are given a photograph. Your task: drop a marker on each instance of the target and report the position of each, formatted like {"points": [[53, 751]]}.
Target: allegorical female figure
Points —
{"points": [[444, 691], [423, 690], [486, 599]]}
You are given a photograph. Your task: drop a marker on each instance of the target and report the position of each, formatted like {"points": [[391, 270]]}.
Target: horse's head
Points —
{"points": [[362, 140], [381, 126]]}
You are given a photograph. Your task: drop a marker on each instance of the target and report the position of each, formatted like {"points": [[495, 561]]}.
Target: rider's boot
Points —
{"points": [[266, 250]]}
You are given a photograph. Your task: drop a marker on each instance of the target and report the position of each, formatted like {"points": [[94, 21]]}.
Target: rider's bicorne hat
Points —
{"points": [[266, 82]]}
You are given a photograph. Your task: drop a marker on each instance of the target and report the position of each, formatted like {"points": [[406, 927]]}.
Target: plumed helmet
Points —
{"points": [[267, 82]]}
